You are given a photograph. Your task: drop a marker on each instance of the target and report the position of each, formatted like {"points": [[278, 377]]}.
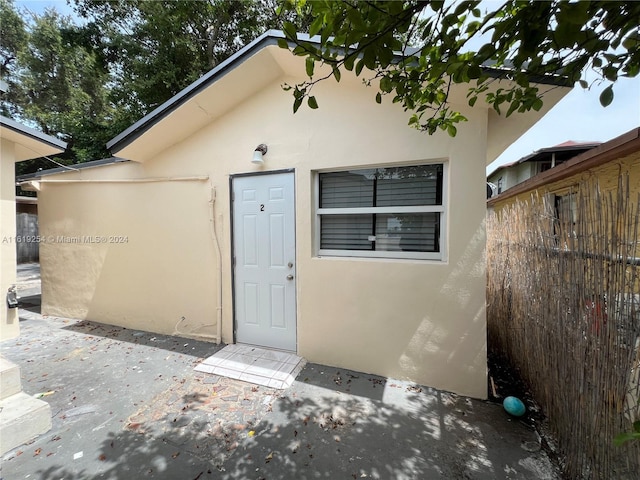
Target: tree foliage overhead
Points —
{"points": [[157, 48], [54, 82], [416, 50], [88, 78]]}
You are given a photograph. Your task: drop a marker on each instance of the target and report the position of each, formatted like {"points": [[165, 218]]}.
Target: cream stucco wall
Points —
{"points": [[9, 327], [420, 320]]}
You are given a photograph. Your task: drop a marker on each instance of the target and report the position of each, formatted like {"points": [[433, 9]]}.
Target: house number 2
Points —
{"points": [[262, 207]]}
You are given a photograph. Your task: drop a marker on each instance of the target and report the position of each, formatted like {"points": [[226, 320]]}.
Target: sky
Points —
{"points": [[578, 116]]}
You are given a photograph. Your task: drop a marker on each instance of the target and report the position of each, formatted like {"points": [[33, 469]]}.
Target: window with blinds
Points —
{"points": [[395, 212]]}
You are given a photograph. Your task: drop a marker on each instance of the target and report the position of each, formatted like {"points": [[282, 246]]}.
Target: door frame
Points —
{"points": [[232, 177]]}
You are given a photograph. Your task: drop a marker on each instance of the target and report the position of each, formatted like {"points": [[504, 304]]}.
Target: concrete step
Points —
{"points": [[9, 379], [22, 418]]}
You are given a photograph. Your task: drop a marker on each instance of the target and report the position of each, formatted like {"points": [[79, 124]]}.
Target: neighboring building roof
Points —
{"points": [[618, 147], [30, 143], [271, 37], [567, 149], [78, 166]]}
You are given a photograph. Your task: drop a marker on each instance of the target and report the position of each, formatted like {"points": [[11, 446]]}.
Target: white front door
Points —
{"points": [[264, 258]]}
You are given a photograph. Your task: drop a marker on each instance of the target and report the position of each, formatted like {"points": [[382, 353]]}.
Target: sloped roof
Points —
{"points": [[267, 69], [30, 143], [78, 166]]}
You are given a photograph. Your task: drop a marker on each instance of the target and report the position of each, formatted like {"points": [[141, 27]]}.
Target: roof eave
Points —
{"points": [[32, 133], [270, 37], [137, 129], [69, 168]]}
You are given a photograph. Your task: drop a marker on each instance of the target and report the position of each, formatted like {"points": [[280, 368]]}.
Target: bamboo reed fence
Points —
{"points": [[564, 308]]}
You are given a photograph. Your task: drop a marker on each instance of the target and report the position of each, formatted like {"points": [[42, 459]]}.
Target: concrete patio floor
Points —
{"points": [[129, 405]]}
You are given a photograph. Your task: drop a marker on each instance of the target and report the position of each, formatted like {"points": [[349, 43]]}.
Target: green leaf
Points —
{"points": [[452, 131], [537, 104], [631, 41], [385, 84], [474, 72], [289, 30], [512, 108], [606, 97], [584, 84], [309, 64], [296, 104], [316, 26], [472, 101], [486, 51], [337, 74], [625, 437], [311, 101], [282, 43], [370, 58], [349, 61], [378, 97], [359, 66]]}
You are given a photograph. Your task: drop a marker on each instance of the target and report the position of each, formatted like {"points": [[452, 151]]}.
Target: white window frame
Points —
{"points": [[441, 209]]}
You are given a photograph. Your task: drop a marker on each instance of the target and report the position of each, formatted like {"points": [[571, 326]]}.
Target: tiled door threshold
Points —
{"points": [[270, 368]]}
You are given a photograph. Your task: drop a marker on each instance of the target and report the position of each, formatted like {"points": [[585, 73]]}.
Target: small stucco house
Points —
{"points": [[340, 234], [18, 143]]}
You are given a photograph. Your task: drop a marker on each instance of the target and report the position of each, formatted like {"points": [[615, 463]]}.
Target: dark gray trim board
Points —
{"points": [[78, 166], [31, 133]]}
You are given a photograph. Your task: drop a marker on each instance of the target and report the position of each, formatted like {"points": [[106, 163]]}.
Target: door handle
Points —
{"points": [[289, 277]]}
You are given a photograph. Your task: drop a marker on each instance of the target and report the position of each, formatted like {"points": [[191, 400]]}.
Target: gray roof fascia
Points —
{"points": [[70, 168], [31, 133], [137, 129]]}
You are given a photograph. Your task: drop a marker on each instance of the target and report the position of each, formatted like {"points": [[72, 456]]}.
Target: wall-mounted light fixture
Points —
{"points": [[258, 153]]}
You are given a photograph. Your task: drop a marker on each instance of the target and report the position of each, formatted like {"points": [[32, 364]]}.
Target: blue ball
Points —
{"points": [[514, 406]]}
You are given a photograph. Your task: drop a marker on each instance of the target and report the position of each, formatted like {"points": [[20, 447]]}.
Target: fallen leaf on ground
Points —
{"points": [[251, 433], [268, 458], [102, 457], [44, 394], [37, 452]]}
